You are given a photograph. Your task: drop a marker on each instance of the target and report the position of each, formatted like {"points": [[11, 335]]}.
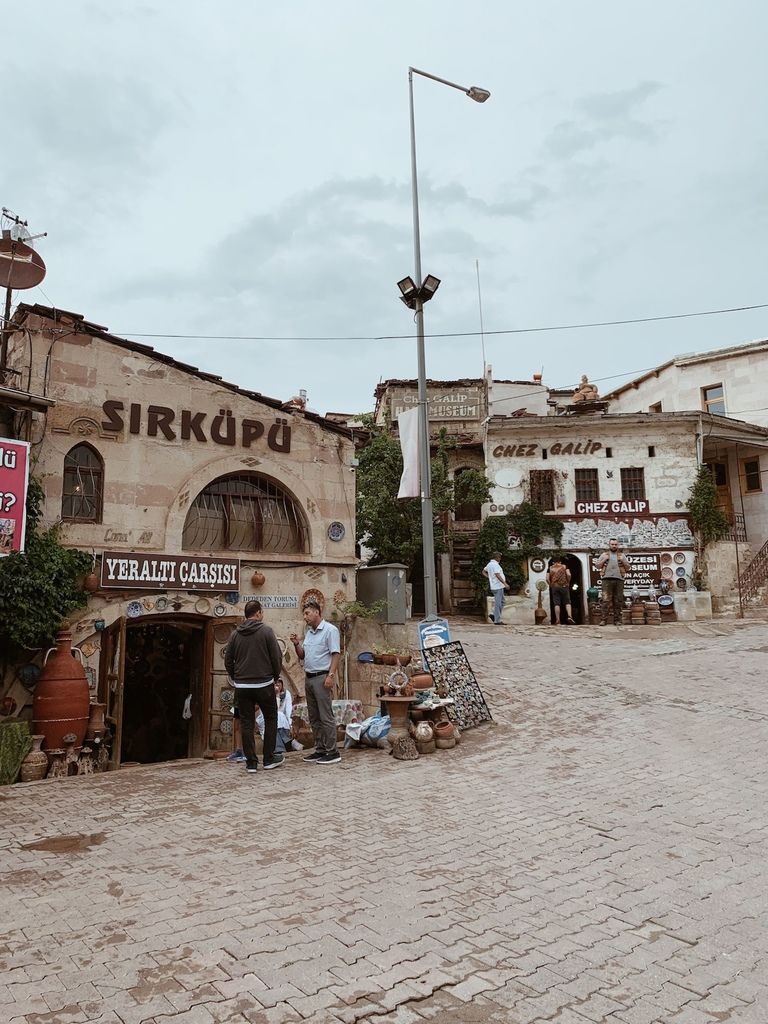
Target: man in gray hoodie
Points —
{"points": [[253, 661]]}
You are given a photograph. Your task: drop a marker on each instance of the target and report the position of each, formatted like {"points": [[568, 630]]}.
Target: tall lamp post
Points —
{"points": [[414, 294]]}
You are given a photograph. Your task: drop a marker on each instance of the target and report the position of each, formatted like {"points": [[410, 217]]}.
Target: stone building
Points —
{"points": [[626, 476], [727, 382], [193, 495]]}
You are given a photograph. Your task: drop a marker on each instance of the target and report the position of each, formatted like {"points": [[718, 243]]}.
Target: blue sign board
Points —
{"points": [[434, 633]]}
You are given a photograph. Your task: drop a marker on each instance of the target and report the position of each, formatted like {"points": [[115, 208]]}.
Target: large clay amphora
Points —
{"points": [[61, 702]]}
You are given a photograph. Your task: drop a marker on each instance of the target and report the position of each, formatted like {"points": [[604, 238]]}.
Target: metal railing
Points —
{"points": [[755, 574], [738, 530]]}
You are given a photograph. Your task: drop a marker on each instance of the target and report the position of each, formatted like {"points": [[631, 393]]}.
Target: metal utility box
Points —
{"points": [[387, 582]]}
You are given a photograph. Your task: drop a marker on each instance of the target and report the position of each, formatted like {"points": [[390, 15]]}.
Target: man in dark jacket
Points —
{"points": [[253, 661]]}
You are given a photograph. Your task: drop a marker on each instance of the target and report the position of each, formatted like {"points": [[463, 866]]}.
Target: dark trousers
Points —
{"points": [[320, 708], [613, 599], [247, 702]]}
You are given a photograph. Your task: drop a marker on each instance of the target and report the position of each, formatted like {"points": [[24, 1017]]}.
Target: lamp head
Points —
{"points": [[477, 94], [430, 286], [407, 287]]}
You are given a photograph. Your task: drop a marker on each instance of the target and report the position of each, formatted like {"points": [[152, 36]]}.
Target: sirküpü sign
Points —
{"points": [[14, 478], [136, 571]]}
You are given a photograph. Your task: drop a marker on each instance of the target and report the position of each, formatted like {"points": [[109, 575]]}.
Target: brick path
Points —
{"points": [[599, 854]]}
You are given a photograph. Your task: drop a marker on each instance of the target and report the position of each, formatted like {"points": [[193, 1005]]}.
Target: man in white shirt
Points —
{"points": [[498, 584], [320, 651]]}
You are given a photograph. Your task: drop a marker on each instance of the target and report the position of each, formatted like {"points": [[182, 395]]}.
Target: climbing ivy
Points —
{"points": [[525, 526], [40, 587]]}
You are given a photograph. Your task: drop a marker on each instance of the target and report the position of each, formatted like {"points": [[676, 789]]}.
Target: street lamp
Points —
{"points": [[414, 294]]}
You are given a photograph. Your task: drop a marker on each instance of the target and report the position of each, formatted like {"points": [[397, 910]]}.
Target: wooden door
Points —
{"points": [[111, 683], [217, 689], [722, 483]]}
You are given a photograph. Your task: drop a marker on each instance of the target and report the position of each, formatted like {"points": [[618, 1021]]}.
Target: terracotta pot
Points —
{"points": [[444, 730], [96, 723], [35, 764], [258, 579], [445, 744], [61, 703], [422, 681], [91, 582]]}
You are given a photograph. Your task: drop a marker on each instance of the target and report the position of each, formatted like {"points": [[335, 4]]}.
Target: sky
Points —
{"points": [[243, 169]]}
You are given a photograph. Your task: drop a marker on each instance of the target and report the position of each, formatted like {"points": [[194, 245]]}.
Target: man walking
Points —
{"points": [[498, 584], [559, 580], [320, 652], [613, 567], [253, 660]]}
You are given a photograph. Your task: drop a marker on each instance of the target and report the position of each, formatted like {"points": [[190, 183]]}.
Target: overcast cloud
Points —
{"points": [[242, 169]]}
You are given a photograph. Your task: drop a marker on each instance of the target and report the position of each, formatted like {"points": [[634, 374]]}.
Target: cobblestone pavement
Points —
{"points": [[598, 854]]}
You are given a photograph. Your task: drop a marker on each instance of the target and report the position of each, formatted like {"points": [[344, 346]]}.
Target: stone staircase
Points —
{"points": [[463, 595], [753, 581]]}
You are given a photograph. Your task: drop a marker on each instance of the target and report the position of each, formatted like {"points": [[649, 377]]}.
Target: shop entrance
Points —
{"points": [[573, 562], [163, 666]]}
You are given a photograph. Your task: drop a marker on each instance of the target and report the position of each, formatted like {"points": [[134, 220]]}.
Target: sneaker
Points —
{"points": [[276, 762], [236, 757], [295, 745], [314, 757], [251, 766], [329, 758], [491, 619]]}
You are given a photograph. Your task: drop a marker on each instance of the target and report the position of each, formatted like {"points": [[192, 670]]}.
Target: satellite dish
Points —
{"points": [[20, 266]]}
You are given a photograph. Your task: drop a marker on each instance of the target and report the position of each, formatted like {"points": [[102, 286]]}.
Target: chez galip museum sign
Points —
{"points": [[133, 571]]}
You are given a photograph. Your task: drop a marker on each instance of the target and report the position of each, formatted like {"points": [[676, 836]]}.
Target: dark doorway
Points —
{"points": [[573, 563], [163, 662]]}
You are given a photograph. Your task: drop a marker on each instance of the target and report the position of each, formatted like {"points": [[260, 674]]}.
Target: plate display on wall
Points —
{"points": [[232, 597], [679, 557], [161, 604], [681, 584], [226, 726], [680, 570], [134, 610], [336, 531], [667, 573], [219, 610], [202, 605], [666, 558], [318, 595], [225, 698], [148, 603], [221, 634]]}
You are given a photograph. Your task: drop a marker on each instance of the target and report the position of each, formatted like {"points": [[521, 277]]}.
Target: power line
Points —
{"points": [[450, 334]]}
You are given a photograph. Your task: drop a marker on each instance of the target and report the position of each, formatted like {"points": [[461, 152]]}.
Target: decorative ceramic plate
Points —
{"points": [[680, 571], [29, 674], [232, 597], [318, 595], [202, 606], [134, 610], [667, 573], [679, 557], [219, 610], [666, 558], [161, 604], [225, 697], [336, 531], [148, 603], [665, 601], [226, 726], [221, 634], [681, 583]]}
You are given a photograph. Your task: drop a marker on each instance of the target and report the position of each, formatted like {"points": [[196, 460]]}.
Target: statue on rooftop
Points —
{"points": [[585, 392]]}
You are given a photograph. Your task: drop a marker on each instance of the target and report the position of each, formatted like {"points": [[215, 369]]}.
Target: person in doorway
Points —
{"points": [[284, 740], [497, 581], [320, 650], [613, 566], [559, 580], [253, 660]]}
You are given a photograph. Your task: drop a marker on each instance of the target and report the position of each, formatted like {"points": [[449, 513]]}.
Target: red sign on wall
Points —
{"points": [[14, 477]]}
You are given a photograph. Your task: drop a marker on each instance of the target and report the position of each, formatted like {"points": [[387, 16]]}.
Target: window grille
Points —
{"points": [[587, 485], [83, 485], [245, 512], [543, 489], [633, 484]]}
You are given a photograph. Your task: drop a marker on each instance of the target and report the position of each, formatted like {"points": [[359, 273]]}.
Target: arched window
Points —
{"points": [[83, 490], [245, 512]]}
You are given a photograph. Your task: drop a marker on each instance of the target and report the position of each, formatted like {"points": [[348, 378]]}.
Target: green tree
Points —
{"points": [[391, 527], [40, 587], [709, 521]]}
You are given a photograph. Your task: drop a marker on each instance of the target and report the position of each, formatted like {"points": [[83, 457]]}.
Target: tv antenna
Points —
{"points": [[20, 268]]}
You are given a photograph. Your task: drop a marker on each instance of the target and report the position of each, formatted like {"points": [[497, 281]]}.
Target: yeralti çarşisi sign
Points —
{"points": [[133, 571]]}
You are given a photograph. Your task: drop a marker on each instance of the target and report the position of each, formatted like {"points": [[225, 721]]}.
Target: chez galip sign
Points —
{"points": [[618, 507], [133, 571], [14, 476]]}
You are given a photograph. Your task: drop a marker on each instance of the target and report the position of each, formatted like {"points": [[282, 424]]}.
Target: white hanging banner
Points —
{"points": [[408, 425]]}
